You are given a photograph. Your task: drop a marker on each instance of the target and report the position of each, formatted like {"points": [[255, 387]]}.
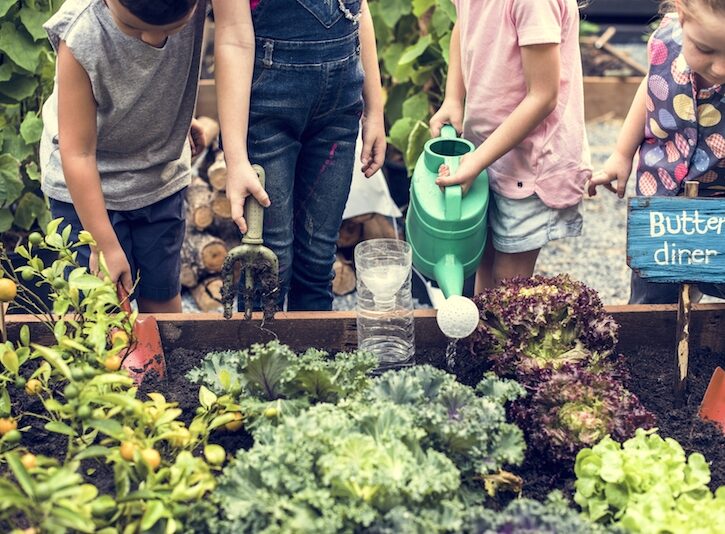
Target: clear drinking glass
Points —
{"points": [[384, 301]]}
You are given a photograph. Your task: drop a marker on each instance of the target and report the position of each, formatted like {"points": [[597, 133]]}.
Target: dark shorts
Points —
{"points": [[150, 236]]}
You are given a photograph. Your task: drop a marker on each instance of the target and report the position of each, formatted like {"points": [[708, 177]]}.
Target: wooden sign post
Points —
{"points": [[682, 240]]}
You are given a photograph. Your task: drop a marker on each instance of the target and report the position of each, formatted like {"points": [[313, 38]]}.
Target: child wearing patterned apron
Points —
{"points": [[316, 79], [676, 122]]}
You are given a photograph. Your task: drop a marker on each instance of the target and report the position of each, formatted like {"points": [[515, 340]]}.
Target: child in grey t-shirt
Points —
{"points": [[115, 154]]}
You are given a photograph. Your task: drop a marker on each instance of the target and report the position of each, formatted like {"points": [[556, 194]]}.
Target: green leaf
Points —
{"points": [[6, 219], [33, 21], [6, 70], [94, 451], [421, 6], [32, 170], [5, 5], [30, 207], [416, 107], [206, 397], [394, 11], [17, 148], [415, 51], [400, 132], [11, 186], [54, 358], [18, 46], [5, 404], [155, 512], [21, 474], [60, 428], [109, 427], [31, 128]]}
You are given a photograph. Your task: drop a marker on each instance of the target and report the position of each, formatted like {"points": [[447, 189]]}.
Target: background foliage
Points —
{"points": [[413, 40], [26, 79]]}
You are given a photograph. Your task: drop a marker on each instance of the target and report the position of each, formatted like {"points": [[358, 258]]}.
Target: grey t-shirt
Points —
{"points": [[145, 99]]}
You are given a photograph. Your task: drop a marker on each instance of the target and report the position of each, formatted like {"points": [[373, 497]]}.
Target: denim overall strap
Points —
{"points": [[303, 123]]}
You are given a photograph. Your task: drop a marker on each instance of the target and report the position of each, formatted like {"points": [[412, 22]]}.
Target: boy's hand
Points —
{"points": [[467, 172], [197, 138], [616, 168], [117, 263], [373, 149], [449, 113], [242, 181]]}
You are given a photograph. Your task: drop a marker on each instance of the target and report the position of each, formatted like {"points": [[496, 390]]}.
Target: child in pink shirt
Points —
{"points": [[516, 64]]}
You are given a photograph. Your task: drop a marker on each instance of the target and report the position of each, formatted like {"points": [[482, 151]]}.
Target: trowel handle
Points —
{"points": [[452, 194], [254, 214], [448, 132]]}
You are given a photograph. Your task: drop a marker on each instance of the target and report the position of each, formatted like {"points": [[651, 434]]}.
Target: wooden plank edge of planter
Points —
{"points": [[608, 96], [640, 325]]}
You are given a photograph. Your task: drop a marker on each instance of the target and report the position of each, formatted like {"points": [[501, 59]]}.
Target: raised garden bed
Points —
{"points": [[647, 340]]}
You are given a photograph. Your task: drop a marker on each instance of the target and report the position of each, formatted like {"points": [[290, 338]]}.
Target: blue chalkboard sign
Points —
{"points": [[677, 239]]}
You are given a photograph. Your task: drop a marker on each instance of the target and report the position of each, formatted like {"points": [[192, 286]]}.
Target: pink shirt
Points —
{"points": [[553, 161]]}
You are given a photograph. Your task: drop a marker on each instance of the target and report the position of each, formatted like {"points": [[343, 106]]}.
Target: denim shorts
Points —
{"points": [[522, 225], [150, 236]]}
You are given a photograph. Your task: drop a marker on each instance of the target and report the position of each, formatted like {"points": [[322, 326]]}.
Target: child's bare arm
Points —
{"points": [[451, 111], [373, 125], [618, 166], [234, 65], [541, 65], [77, 139]]}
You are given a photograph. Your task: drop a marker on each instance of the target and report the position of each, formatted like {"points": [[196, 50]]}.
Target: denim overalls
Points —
{"points": [[305, 113]]}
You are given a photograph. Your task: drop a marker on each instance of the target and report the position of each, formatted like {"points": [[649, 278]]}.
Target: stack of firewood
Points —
{"points": [[210, 231]]}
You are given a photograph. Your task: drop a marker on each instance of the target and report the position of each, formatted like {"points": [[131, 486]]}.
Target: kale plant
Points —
{"points": [[467, 425], [542, 322], [336, 468], [272, 379]]}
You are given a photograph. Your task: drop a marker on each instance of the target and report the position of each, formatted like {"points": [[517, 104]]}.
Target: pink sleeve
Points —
{"points": [[538, 21]]}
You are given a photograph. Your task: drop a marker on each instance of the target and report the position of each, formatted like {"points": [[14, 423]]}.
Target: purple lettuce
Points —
{"points": [[573, 408], [542, 323]]}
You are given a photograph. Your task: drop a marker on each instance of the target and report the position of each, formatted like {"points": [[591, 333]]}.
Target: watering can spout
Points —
{"points": [[449, 275]]}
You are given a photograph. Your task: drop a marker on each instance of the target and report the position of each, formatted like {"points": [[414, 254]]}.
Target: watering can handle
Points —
{"points": [[448, 132], [254, 214], [452, 194]]}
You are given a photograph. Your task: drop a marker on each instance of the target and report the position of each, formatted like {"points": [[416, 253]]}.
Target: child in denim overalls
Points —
{"points": [[676, 122], [315, 75]]}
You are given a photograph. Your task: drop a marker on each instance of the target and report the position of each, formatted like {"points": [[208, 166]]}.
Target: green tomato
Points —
{"points": [[77, 374], [71, 391], [84, 412], [215, 454], [58, 284], [20, 382], [271, 412], [27, 275], [89, 371], [35, 239], [42, 491]]}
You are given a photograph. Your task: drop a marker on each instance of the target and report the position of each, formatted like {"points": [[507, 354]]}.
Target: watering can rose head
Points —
{"points": [[542, 322]]}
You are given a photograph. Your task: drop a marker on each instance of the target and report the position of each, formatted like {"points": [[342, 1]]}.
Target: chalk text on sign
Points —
{"points": [[661, 224]]}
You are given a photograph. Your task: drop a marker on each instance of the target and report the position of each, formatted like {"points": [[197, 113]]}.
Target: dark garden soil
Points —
{"points": [[651, 379]]}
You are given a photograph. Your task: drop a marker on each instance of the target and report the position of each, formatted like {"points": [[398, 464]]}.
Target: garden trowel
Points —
{"points": [[713, 404], [145, 354]]}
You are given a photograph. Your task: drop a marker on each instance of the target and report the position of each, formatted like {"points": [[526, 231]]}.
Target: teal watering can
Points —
{"points": [[446, 229]]}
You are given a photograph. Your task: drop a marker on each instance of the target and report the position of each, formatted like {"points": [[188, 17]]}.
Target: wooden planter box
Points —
{"points": [[652, 326], [608, 96]]}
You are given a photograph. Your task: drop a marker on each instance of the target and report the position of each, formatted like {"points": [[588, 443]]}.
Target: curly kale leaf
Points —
{"points": [[465, 424], [335, 468]]}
